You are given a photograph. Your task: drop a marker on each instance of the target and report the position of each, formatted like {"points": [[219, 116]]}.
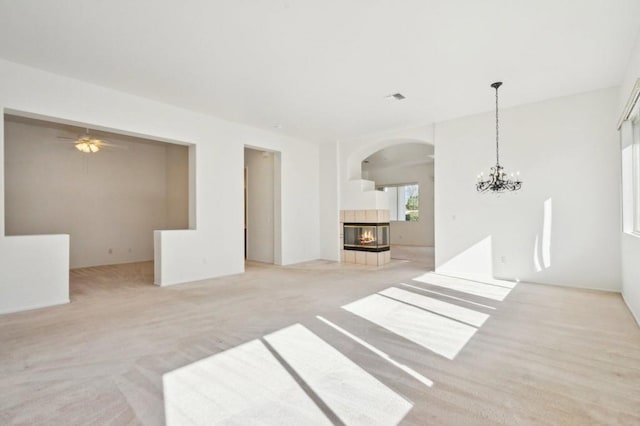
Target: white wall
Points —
{"points": [[109, 202], [177, 187], [260, 207], [630, 244], [563, 226], [300, 219], [329, 201], [215, 246], [34, 272], [420, 233]]}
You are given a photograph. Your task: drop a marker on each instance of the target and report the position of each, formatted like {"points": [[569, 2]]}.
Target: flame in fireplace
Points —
{"points": [[367, 237]]}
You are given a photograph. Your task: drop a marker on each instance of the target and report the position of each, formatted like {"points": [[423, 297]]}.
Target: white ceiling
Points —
{"points": [[322, 68]]}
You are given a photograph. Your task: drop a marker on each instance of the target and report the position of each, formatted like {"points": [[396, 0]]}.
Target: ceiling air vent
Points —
{"points": [[396, 96]]}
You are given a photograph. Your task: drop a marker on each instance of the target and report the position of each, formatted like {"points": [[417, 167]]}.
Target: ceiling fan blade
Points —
{"points": [[110, 145]]}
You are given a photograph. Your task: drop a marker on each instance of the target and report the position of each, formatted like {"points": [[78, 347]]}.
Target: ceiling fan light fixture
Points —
{"points": [[87, 147], [87, 144]]}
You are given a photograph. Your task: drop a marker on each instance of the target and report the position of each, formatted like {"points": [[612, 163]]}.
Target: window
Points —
{"points": [[635, 168], [630, 145], [404, 202]]}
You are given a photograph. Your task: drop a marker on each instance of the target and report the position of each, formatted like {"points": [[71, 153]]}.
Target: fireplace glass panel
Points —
{"points": [[366, 236]]}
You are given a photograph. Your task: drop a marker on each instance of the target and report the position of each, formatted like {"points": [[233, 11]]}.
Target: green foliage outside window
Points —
{"points": [[404, 202], [412, 213]]}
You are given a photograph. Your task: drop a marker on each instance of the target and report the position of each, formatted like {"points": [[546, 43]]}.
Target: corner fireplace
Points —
{"points": [[372, 237]]}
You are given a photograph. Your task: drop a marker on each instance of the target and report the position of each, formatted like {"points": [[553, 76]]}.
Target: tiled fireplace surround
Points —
{"points": [[363, 257]]}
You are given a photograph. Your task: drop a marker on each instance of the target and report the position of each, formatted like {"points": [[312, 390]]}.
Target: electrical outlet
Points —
{"points": [[110, 251], [503, 259]]}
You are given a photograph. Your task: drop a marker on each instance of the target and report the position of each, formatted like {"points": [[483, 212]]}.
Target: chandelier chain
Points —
{"points": [[497, 129]]}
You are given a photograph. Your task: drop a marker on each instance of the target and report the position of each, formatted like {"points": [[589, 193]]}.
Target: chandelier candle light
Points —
{"points": [[498, 180]]}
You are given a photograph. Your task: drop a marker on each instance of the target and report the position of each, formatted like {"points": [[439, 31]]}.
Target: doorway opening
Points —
{"points": [[262, 206]]}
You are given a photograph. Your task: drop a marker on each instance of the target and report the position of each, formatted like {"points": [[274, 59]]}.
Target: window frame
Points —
{"points": [[635, 166], [629, 129], [397, 186]]}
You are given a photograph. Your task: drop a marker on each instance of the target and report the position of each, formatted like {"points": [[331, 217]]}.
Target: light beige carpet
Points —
{"points": [[323, 342], [417, 254]]}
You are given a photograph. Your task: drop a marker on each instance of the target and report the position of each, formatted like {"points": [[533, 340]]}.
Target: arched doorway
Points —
{"points": [[404, 170]]}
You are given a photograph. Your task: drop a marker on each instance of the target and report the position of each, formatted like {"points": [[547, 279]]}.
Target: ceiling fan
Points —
{"points": [[89, 144]]}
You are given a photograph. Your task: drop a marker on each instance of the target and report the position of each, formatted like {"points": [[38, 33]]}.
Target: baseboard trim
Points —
{"points": [[633, 314], [32, 307], [577, 287]]}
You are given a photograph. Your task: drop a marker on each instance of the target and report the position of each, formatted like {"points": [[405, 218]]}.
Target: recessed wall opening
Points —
{"points": [[262, 205], [108, 191], [405, 173]]}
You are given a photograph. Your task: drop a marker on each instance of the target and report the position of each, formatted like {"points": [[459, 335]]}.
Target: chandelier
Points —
{"points": [[498, 180]]}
